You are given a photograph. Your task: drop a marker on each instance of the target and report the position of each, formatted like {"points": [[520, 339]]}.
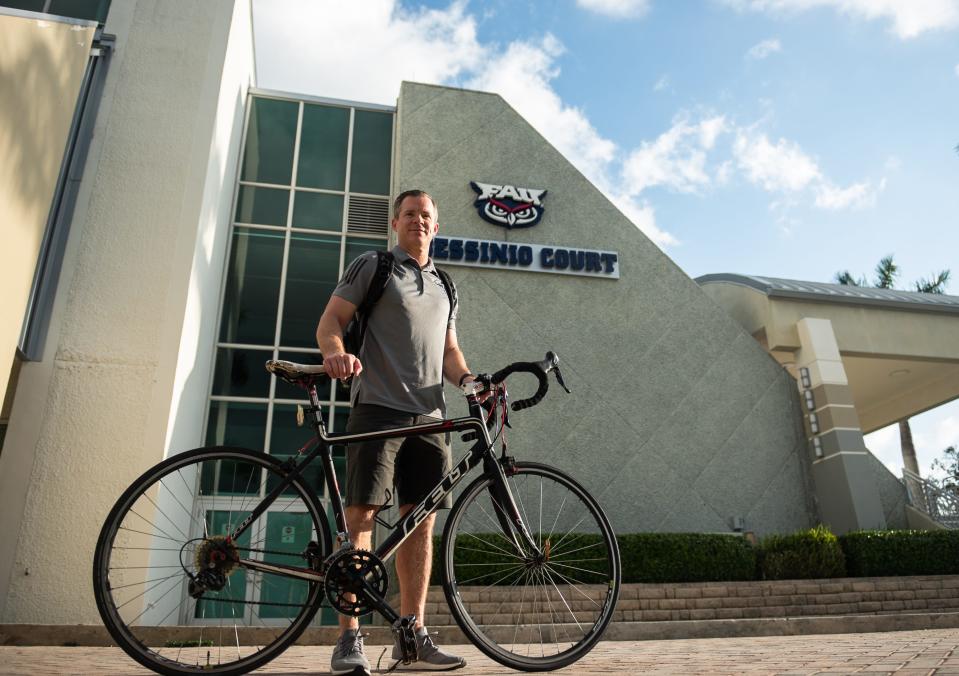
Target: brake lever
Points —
{"points": [[559, 379]]}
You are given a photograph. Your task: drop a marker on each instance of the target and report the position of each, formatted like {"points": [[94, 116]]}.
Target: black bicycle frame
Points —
{"points": [[481, 451]]}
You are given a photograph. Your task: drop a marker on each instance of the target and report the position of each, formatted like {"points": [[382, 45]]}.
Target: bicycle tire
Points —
{"points": [[167, 519], [572, 594]]}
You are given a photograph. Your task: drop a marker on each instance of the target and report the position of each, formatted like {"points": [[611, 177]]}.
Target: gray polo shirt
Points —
{"points": [[402, 351]]}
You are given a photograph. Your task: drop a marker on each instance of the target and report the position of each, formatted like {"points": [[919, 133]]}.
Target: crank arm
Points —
{"points": [[377, 602]]}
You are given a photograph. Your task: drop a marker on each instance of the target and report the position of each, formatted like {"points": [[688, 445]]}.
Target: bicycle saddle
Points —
{"points": [[296, 374]]}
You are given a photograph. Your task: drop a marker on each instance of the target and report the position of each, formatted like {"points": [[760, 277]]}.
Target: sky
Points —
{"points": [[786, 138]]}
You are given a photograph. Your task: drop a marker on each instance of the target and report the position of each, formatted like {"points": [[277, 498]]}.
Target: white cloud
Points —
{"points": [[957, 70], [358, 56], [643, 215], [856, 196], [663, 82], [783, 167], [780, 166], [361, 60], [765, 48], [884, 444], [676, 159], [617, 9], [521, 74], [932, 432], [909, 18]]}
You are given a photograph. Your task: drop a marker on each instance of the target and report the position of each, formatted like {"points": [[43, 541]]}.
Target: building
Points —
{"points": [[210, 219]]}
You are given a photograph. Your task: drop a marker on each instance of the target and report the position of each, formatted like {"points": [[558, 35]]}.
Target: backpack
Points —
{"points": [[356, 330]]}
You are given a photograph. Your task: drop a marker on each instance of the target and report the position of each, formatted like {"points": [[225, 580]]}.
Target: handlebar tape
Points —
{"points": [[538, 369]]}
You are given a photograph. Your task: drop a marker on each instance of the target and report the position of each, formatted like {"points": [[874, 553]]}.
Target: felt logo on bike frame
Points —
{"points": [[508, 206]]}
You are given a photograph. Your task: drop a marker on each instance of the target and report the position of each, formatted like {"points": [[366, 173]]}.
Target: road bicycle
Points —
{"points": [[217, 559]]}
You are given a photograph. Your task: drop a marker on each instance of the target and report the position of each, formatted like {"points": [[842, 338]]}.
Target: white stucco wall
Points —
{"points": [[127, 363]]}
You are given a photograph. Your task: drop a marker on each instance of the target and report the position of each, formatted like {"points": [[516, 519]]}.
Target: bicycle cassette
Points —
{"points": [[349, 571]]}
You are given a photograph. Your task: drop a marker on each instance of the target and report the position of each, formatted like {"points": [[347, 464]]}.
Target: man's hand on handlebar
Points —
{"points": [[473, 385], [342, 365]]}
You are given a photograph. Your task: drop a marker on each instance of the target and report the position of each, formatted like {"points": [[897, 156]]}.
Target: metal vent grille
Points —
{"points": [[368, 215]]}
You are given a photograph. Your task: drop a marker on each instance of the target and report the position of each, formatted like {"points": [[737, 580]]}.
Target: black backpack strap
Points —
{"points": [[450, 289], [381, 279], [356, 329]]}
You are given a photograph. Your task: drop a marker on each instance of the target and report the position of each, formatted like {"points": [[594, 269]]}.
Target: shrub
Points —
{"points": [[805, 554], [686, 557], [646, 557], [901, 552]]}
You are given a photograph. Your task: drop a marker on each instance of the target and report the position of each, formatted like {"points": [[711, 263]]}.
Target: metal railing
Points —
{"points": [[941, 503]]}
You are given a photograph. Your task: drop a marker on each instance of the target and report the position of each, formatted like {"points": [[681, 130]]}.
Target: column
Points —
{"points": [[847, 495]]}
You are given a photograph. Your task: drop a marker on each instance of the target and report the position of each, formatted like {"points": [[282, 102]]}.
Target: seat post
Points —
{"points": [[318, 423]]}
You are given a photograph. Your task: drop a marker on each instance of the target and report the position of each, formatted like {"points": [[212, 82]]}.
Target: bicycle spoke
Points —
{"points": [[236, 621], [556, 616], [563, 599]]}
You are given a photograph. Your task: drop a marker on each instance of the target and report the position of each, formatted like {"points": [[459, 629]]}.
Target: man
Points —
{"points": [[409, 345]]}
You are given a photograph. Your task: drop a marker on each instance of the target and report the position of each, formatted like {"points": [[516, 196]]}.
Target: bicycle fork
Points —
{"points": [[507, 513]]}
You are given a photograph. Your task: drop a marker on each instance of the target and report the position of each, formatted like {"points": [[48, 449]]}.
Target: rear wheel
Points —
{"points": [[527, 611], [171, 586]]}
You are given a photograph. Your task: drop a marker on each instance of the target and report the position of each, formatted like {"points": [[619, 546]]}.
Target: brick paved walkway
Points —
{"points": [[905, 653]]}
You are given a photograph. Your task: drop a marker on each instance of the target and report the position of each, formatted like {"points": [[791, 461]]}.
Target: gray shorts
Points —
{"points": [[414, 465]]}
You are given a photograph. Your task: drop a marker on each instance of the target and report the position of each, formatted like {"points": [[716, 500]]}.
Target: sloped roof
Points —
{"points": [[775, 287]]}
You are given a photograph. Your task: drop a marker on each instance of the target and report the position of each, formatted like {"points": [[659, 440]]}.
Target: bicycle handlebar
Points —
{"points": [[540, 369]]}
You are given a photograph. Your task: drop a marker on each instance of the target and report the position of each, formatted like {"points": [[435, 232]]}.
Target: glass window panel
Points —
{"points": [[236, 424], [240, 373], [317, 210], [262, 206], [252, 287], [92, 10], [287, 535], [228, 602], [286, 439], [311, 274], [268, 156], [340, 415], [356, 246], [223, 478], [372, 144], [323, 141], [286, 391], [28, 5]]}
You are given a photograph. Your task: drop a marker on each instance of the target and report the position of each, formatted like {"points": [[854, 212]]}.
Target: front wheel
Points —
{"points": [[171, 585], [527, 610]]}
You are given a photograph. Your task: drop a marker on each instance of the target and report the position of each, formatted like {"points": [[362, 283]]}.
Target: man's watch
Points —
{"points": [[463, 377]]}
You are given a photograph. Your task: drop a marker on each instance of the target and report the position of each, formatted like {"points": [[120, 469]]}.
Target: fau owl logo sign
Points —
{"points": [[508, 206]]}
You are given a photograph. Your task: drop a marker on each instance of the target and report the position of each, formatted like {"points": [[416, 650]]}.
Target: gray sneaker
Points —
{"points": [[348, 657], [430, 657]]}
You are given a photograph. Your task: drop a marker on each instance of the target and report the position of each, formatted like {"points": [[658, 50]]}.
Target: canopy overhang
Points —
{"points": [[900, 349]]}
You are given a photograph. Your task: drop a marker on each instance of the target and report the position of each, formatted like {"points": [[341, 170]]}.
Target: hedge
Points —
{"points": [[901, 552], [646, 557], [805, 554], [686, 557], [705, 557]]}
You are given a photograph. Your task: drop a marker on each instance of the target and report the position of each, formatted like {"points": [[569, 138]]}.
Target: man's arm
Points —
{"points": [[329, 337], [454, 363]]}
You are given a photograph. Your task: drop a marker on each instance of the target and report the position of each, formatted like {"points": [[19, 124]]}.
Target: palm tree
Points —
{"points": [[886, 273]]}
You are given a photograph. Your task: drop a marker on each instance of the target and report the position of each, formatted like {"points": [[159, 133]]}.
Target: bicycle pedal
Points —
{"points": [[405, 631]]}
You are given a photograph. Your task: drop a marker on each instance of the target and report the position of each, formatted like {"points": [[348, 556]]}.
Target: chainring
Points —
{"points": [[346, 571]]}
